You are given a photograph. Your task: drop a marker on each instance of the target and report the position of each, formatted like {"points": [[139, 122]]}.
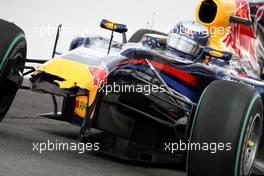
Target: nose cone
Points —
{"points": [[74, 74], [69, 74]]}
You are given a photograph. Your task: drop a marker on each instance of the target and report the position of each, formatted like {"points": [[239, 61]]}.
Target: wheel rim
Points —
{"points": [[251, 144]]}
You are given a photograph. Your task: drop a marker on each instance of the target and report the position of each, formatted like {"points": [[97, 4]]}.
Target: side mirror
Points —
{"points": [[114, 27], [239, 20], [120, 28]]}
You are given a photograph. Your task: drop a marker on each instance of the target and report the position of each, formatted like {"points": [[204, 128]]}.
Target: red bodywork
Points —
{"points": [[242, 39]]}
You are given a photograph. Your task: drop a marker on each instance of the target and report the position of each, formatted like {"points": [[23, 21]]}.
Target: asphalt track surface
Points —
{"points": [[22, 127]]}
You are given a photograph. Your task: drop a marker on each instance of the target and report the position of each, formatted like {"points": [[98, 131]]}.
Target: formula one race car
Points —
{"points": [[194, 95]]}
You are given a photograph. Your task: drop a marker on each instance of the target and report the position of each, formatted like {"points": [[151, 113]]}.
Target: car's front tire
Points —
{"points": [[231, 115], [13, 49]]}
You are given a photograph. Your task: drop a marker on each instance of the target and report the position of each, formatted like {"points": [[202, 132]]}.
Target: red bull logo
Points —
{"points": [[99, 75], [242, 39]]}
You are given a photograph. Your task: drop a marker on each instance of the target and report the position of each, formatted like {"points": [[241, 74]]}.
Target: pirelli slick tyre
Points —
{"points": [[13, 50], [229, 119]]}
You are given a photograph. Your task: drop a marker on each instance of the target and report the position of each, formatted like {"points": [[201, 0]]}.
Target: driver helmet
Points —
{"points": [[188, 37]]}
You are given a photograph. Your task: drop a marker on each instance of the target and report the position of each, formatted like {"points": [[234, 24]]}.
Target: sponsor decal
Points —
{"points": [[99, 75], [228, 78], [81, 106]]}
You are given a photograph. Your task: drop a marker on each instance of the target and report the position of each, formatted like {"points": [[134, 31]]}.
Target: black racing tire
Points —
{"points": [[138, 35], [13, 49], [227, 116]]}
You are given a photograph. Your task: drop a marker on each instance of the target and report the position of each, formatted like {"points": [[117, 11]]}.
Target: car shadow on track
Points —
{"points": [[74, 136]]}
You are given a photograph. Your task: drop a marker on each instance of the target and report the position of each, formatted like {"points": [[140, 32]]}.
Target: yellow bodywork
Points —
{"points": [[75, 74], [220, 26]]}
